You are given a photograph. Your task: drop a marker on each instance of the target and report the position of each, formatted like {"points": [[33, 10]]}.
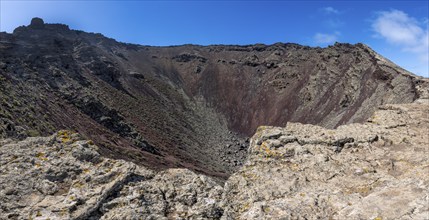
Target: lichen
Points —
{"points": [[78, 184], [41, 156], [244, 207], [65, 136], [268, 153]]}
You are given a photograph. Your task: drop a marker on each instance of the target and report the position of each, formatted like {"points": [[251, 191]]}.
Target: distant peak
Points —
{"points": [[37, 23]]}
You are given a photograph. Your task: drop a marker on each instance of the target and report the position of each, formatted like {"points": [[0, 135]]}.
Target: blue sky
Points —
{"points": [[397, 30]]}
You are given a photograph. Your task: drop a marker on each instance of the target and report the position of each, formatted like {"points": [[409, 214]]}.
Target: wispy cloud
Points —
{"points": [[322, 38], [330, 10], [333, 23], [397, 28]]}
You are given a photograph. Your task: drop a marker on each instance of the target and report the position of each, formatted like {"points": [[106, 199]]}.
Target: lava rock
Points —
{"points": [[37, 23]]}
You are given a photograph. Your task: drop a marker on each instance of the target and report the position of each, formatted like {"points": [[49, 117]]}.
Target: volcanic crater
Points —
{"points": [[184, 106]]}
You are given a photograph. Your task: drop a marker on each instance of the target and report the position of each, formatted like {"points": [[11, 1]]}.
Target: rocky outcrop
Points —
{"points": [[37, 23], [375, 170], [64, 177]]}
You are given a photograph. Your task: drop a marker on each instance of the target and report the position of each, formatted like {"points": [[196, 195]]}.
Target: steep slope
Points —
{"points": [[184, 106], [375, 170]]}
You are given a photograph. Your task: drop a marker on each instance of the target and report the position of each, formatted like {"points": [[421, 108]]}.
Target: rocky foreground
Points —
{"points": [[376, 170]]}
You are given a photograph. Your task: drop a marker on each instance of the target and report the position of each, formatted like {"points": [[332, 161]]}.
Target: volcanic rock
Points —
{"points": [[37, 23], [297, 172], [64, 177], [293, 172]]}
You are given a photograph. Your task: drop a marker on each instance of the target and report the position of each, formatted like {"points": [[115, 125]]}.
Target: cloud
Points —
{"points": [[330, 10], [399, 29], [333, 23], [321, 38], [331, 20]]}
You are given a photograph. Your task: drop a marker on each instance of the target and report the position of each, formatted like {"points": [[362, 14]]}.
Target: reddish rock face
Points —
{"points": [[271, 85], [184, 106]]}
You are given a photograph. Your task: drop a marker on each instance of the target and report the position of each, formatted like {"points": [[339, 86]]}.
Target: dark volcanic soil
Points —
{"points": [[184, 106]]}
